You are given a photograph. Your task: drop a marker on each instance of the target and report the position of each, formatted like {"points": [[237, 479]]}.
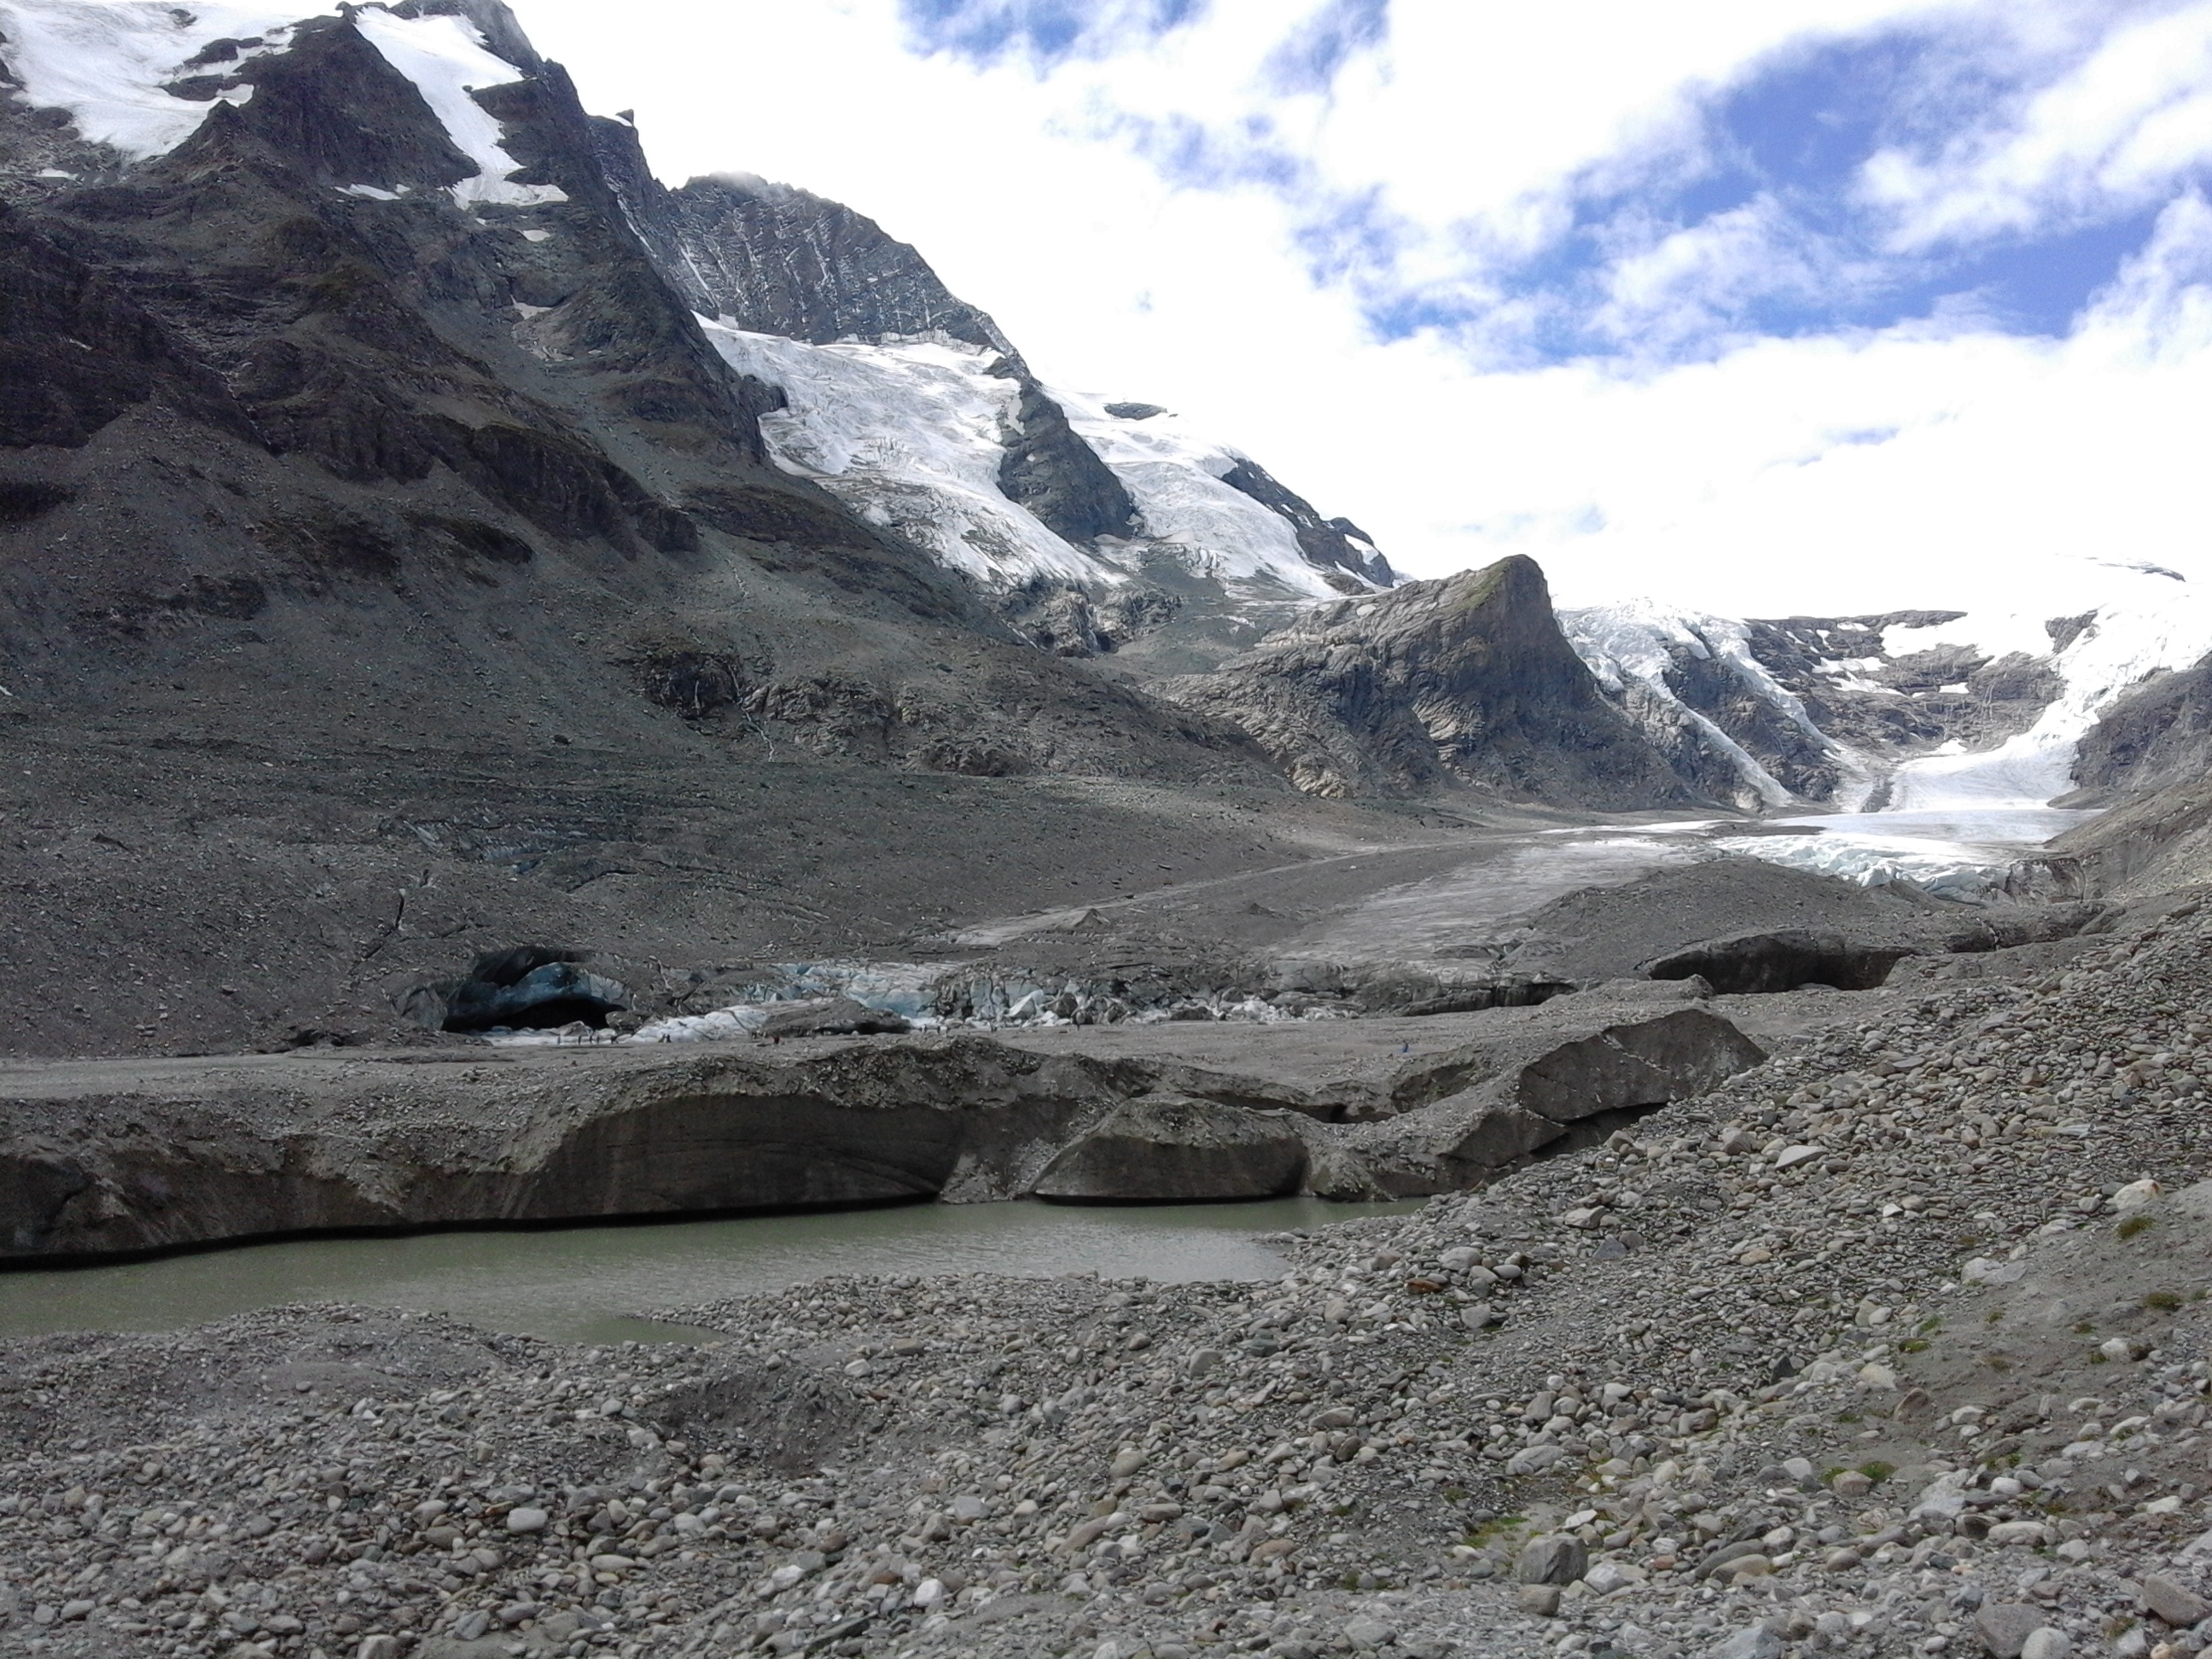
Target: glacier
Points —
{"points": [[1957, 819], [1631, 642], [909, 435], [911, 432], [1175, 477], [2121, 645]]}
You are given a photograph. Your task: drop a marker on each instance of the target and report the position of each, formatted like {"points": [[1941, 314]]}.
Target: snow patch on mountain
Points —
{"points": [[910, 435], [1174, 476], [446, 58], [109, 65]]}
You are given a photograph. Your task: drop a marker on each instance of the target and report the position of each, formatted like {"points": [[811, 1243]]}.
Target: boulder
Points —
{"points": [[1641, 1063], [2005, 1626], [2173, 1601], [1537, 1081], [1171, 1148], [1556, 1558], [829, 1017]]}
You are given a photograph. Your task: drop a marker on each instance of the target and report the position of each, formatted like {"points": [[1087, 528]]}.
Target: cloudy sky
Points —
{"points": [[1760, 304]]}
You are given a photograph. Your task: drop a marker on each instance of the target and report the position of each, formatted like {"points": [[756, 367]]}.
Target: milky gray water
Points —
{"points": [[590, 1283]]}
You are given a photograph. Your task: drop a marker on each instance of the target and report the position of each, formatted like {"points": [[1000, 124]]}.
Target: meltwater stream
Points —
{"points": [[592, 1284]]}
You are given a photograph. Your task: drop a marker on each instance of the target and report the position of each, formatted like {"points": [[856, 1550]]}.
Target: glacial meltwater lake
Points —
{"points": [[590, 1283]]}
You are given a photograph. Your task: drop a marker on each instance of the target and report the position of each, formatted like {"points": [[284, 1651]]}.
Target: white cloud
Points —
{"points": [[2115, 132], [1839, 471], [1691, 285]]}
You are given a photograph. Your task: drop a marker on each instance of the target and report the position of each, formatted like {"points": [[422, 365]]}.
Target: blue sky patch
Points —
{"points": [[1045, 32]]}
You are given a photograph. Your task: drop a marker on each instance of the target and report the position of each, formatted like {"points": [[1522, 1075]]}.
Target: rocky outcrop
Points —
{"points": [[1462, 682], [1167, 1148], [2146, 760], [93, 1161], [2147, 845], [2157, 734], [1533, 1100]]}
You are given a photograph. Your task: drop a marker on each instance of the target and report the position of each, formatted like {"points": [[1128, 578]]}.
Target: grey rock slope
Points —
{"points": [[365, 553], [2157, 735], [2146, 759], [1466, 682]]}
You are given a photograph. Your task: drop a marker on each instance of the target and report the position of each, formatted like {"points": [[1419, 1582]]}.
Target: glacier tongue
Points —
{"points": [[1644, 648]]}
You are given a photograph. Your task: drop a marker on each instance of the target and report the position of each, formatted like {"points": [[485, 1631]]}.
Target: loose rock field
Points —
{"points": [[1894, 1345]]}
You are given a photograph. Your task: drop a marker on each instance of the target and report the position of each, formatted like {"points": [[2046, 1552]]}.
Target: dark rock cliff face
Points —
{"points": [[777, 260], [1917, 705], [2159, 733], [2150, 759], [1466, 682], [1336, 545]]}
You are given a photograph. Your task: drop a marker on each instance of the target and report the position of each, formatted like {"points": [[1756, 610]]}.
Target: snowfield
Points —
{"points": [[910, 436], [1174, 476], [2123, 644], [911, 433], [109, 66]]}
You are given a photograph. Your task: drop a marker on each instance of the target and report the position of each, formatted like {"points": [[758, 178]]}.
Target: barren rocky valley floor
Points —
{"points": [[1889, 1344]]}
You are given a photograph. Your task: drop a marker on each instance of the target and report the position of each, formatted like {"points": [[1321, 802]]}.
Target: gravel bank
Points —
{"points": [[1888, 1346]]}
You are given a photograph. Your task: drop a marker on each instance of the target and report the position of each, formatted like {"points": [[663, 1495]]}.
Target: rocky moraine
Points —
{"points": [[1892, 1344]]}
